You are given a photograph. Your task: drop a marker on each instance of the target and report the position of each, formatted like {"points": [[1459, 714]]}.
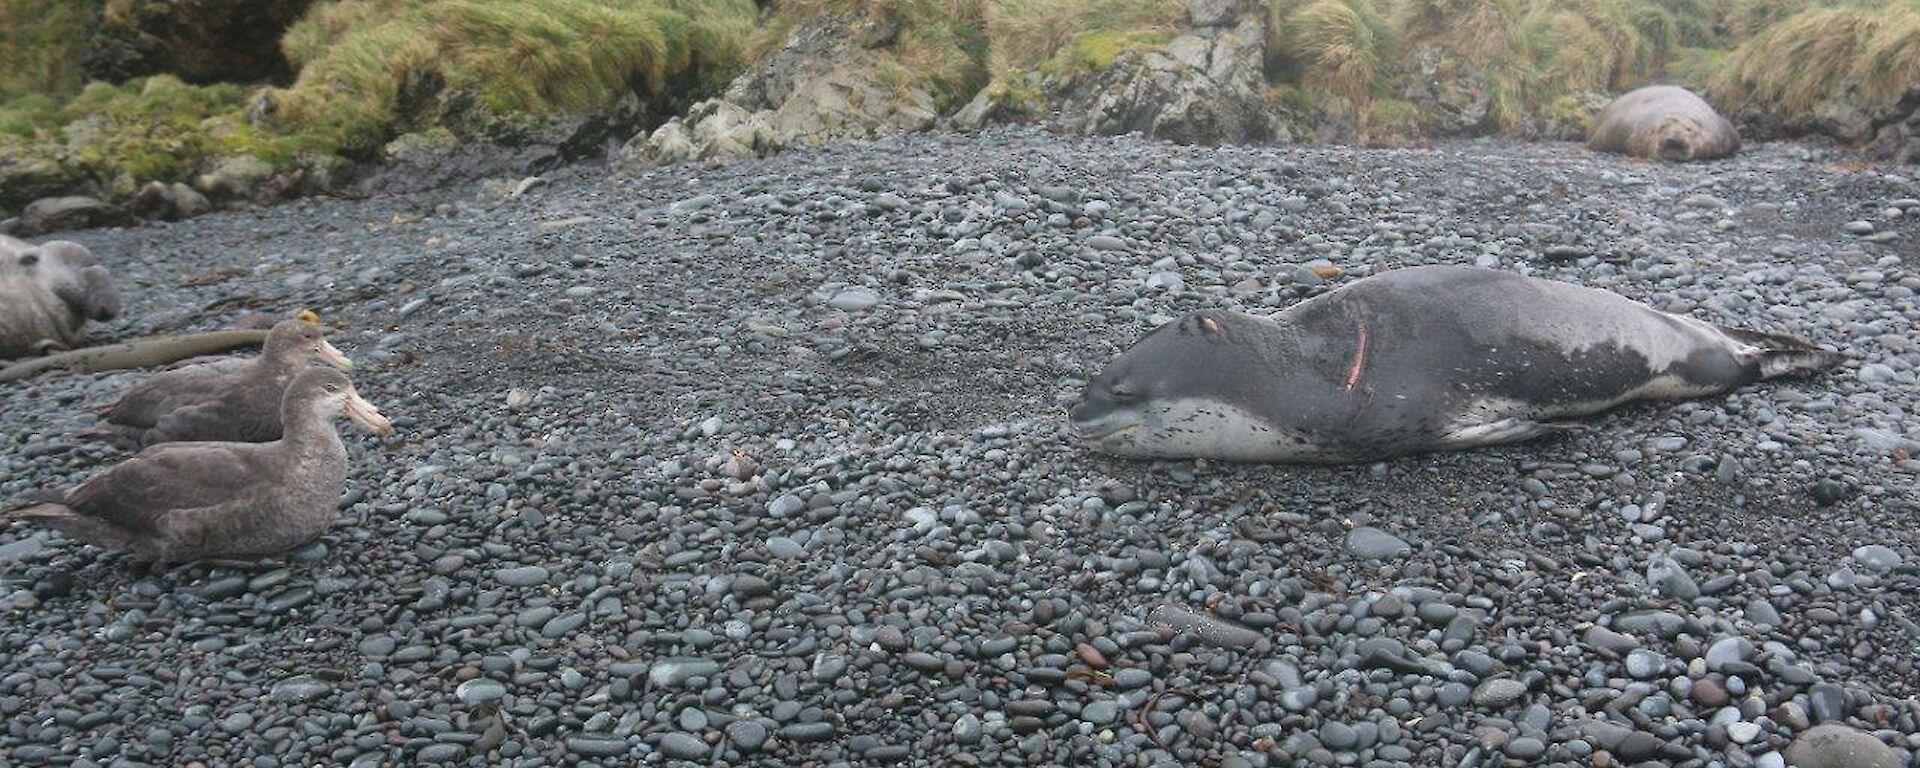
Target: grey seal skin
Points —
{"points": [[1664, 122], [48, 292], [1408, 361], [180, 502], [230, 400]]}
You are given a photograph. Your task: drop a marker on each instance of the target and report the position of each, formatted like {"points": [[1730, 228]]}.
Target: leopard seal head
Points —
{"points": [[1201, 385]]}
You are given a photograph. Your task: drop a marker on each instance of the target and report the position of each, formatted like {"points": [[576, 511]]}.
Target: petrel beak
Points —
{"points": [[368, 416], [331, 355]]}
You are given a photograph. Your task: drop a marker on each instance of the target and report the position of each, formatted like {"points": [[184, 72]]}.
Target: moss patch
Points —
{"points": [[1096, 50], [371, 70]]}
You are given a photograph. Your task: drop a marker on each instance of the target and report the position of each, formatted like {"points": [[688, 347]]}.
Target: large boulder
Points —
{"points": [[1018, 101], [233, 178], [26, 176], [1205, 86], [1895, 133], [824, 84], [54, 214], [201, 41], [161, 200], [1838, 746]]}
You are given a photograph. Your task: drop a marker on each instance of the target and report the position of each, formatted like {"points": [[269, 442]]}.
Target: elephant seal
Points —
{"points": [[1663, 121], [48, 292], [1407, 361]]}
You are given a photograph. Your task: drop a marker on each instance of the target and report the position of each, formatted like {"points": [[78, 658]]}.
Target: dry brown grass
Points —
{"points": [[1824, 53]]}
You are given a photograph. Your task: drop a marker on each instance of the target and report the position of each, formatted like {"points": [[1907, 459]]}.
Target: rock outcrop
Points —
{"points": [[201, 41], [825, 84], [1881, 129], [1454, 98], [456, 138], [1205, 86], [1898, 137], [26, 177]]}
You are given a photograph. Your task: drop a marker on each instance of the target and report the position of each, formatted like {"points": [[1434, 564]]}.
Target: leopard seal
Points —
{"points": [[1408, 361], [1665, 122]]}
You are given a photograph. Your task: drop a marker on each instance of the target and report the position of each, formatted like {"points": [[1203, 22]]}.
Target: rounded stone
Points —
{"points": [[480, 690]]}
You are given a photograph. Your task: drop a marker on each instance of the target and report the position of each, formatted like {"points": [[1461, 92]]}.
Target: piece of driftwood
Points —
{"points": [[139, 353]]}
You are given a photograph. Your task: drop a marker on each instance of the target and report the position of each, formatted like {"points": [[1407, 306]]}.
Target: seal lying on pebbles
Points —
{"points": [[1665, 122], [48, 292], [187, 501], [234, 400], [1411, 360]]}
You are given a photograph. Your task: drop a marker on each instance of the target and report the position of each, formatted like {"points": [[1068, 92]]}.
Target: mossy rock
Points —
{"points": [[27, 175], [233, 178]]}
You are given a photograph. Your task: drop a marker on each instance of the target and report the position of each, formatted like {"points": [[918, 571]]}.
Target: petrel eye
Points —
{"points": [[29, 260]]}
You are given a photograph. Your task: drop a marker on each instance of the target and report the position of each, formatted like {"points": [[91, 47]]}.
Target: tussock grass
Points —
{"points": [[1336, 46], [522, 56], [1537, 52], [1823, 52], [1742, 19]]}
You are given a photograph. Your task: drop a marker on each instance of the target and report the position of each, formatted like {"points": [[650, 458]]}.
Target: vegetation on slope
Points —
{"points": [[369, 70], [1793, 64], [356, 57], [938, 44]]}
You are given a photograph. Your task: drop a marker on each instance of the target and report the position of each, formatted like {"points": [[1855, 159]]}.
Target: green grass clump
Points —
{"points": [[25, 115], [117, 136], [1095, 50], [531, 57], [1823, 53], [944, 41], [157, 128]]}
